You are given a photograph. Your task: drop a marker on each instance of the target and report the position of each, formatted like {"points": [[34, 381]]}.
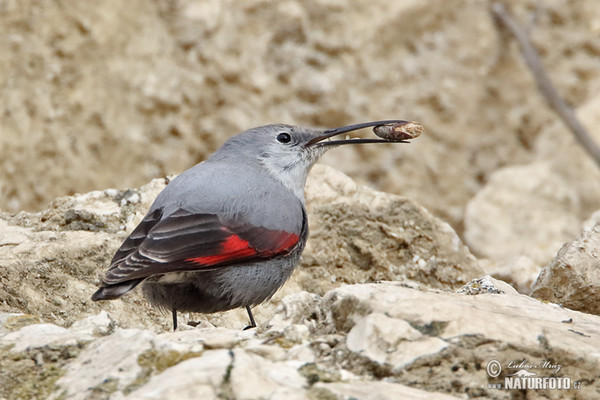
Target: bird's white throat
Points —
{"points": [[291, 168]]}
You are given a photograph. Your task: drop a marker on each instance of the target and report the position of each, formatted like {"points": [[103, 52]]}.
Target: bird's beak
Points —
{"points": [[319, 141]]}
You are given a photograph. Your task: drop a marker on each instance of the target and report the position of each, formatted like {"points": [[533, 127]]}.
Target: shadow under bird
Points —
{"points": [[228, 232]]}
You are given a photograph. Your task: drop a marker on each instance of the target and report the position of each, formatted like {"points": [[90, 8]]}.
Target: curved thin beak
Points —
{"points": [[319, 140]]}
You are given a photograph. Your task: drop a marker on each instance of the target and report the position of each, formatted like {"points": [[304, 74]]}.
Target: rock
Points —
{"points": [[294, 309], [591, 222], [110, 363], [373, 391], [572, 279], [520, 272], [13, 321], [109, 210], [221, 338], [254, 377], [348, 304], [361, 235], [41, 335], [195, 378], [522, 211], [52, 260], [380, 341], [526, 213], [475, 329], [97, 325], [486, 284], [390, 341]]}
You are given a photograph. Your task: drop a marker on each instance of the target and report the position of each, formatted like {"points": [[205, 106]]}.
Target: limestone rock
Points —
{"points": [[391, 341], [109, 210], [486, 284], [255, 377], [98, 325], [361, 235], [109, 363], [379, 341], [194, 378], [41, 335], [572, 279], [476, 330], [522, 211], [13, 321], [51, 260], [376, 390]]}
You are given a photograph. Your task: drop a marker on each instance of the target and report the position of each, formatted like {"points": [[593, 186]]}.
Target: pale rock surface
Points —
{"points": [[113, 358], [487, 284], [51, 260], [572, 279], [362, 235], [390, 341], [13, 321], [254, 377], [477, 329], [523, 210], [41, 335], [374, 391], [195, 378], [485, 314], [591, 222], [367, 341], [98, 325]]}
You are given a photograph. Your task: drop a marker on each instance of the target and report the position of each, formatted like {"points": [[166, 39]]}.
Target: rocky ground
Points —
{"points": [[393, 298]]}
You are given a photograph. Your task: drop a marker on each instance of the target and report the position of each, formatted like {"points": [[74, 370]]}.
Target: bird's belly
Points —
{"points": [[222, 289]]}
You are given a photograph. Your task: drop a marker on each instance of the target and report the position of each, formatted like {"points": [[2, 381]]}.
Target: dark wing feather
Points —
{"points": [[136, 237], [185, 241]]}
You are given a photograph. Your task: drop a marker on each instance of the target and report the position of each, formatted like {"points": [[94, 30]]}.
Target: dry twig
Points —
{"points": [[544, 84]]}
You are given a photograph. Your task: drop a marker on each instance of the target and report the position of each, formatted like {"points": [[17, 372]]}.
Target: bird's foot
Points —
{"points": [[252, 322]]}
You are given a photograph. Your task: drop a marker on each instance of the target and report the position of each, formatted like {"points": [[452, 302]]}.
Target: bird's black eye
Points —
{"points": [[284, 137]]}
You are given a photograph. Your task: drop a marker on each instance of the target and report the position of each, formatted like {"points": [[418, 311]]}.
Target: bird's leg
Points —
{"points": [[252, 323], [174, 319]]}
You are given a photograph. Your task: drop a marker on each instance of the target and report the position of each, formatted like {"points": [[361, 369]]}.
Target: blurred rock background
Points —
{"points": [[113, 94]]}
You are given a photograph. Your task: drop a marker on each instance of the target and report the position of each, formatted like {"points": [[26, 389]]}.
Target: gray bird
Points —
{"points": [[228, 232]]}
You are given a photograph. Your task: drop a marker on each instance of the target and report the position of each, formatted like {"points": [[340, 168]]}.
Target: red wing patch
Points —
{"points": [[234, 248], [187, 241]]}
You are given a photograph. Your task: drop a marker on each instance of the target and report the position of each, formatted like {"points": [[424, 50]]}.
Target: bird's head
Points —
{"points": [[288, 152]]}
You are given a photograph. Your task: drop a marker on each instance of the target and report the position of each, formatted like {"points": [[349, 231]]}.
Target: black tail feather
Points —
{"points": [[111, 292]]}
